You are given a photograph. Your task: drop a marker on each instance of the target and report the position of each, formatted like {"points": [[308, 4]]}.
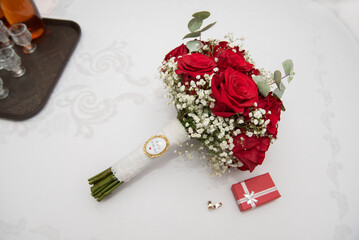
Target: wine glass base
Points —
{"points": [[30, 49], [4, 93], [10, 44], [20, 72]]}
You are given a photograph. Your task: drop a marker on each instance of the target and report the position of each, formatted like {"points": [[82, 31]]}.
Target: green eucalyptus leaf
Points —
{"points": [[278, 78], [263, 88], [194, 45], [201, 15], [194, 24], [283, 108], [288, 66], [208, 27], [279, 93], [290, 78], [258, 78], [192, 34]]}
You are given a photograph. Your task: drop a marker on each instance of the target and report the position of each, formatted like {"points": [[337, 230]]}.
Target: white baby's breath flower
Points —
{"points": [[249, 134], [223, 154], [236, 132], [190, 130], [257, 114]]}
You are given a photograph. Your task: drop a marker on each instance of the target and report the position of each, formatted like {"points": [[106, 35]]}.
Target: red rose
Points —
{"points": [[235, 60], [250, 151], [233, 92], [270, 103], [195, 64], [178, 51]]}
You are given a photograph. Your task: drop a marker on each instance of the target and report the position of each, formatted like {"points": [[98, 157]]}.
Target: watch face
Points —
{"points": [[156, 146]]}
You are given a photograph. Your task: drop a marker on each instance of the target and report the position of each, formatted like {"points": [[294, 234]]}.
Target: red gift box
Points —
{"points": [[255, 191]]}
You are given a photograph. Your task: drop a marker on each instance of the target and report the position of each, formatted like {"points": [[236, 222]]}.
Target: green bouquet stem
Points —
{"points": [[103, 184]]}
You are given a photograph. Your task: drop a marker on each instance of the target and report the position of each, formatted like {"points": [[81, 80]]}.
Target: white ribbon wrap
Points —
{"points": [[129, 166], [250, 198]]}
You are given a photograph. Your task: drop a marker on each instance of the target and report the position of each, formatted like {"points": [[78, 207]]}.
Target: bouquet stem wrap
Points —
{"points": [[128, 167]]}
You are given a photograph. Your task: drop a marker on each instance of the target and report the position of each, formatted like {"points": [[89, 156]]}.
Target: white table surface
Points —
{"points": [[108, 101]]}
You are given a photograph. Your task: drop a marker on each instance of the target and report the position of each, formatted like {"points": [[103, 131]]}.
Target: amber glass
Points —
{"points": [[3, 19], [23, 11]]}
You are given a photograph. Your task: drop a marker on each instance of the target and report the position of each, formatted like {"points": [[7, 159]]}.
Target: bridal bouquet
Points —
{"points": [[222, 100]]}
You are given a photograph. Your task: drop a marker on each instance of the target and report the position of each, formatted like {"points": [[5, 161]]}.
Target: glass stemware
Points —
{"points": [[10, 61], [4, 92], [4, 36], [22, 37]]}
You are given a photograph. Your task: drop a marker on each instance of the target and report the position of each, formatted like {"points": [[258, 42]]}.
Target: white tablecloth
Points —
{"points": [[108, 101]]}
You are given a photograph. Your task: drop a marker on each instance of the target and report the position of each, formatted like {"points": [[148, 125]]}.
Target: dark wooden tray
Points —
{"points": [[29, 93]]}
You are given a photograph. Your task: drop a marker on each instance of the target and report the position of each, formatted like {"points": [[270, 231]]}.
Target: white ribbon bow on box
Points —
{"points": [[250, 198]]}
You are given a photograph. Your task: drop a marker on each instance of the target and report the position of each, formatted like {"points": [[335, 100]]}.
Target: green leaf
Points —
{"points": [[192, 34], [194, 24], [194, 45], [278, 78], [282, 87], [283, 108], [278, 93], [290, 78], [258, 78], [201, 15], [263, 88], [208, 27], [288, 66]]}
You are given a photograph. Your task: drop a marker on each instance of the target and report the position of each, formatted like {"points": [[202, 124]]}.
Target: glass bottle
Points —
{"points": [[3, 19], [23, 11]]}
